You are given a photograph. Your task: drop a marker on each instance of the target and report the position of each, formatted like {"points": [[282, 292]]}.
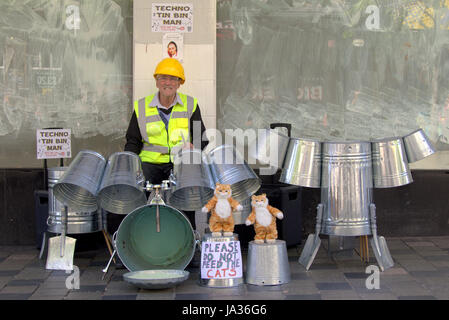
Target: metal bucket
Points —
{"points": [[229, 167], [269, 148], [220, 283], [141, 247], [417, 146], [390, 166], [267, 264], [79, 185], [346, 188], [241, 216], [302, 164], [77, 222], [194, 181], [121, 189]]}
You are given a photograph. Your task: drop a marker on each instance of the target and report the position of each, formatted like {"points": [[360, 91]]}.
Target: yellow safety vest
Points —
{"points": [[157, 140]]}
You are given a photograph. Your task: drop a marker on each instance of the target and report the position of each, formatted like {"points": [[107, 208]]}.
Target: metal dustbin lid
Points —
{"points": [[156, 279]]}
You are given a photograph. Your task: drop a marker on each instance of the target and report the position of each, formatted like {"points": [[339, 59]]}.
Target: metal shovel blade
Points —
{"points": [[382, 253], [58, 259], [309, 251]]}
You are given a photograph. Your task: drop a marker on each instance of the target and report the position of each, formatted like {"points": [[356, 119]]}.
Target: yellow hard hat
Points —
{"points": [[171, 67]]}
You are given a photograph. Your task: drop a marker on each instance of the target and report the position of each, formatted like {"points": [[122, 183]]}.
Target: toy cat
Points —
{"points": [[221, 206], [264, 216]]}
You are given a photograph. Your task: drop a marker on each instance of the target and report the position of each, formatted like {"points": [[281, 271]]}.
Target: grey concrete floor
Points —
{"points": [[421, 272]]}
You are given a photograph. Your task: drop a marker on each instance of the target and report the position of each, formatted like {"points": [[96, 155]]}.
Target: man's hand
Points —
{"points": [[187, 146]]}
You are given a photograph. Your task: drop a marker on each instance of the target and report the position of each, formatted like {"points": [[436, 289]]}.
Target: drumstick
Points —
{"points": [[106, 238], [367, 249], [360, 250]]}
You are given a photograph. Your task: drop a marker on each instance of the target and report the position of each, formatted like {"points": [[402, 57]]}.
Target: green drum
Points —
{"points": [[141, 247]]}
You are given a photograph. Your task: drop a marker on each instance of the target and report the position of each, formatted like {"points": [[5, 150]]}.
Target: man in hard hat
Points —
{"points": [[160, 125], [163, 122]]}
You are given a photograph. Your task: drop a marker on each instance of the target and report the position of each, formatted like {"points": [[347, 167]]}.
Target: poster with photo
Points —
{"points": [[173, 46]]}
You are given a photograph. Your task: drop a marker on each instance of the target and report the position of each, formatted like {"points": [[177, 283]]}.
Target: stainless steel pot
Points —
{"points": [[121, 189], [390, 166], [417, 146], [78, 187], [302, 164], [346, 188], [229, 167], [193, 181]]}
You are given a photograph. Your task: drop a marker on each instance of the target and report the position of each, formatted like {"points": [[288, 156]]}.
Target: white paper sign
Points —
{"points": [[172, 17], [53, 143], [221, 260]]}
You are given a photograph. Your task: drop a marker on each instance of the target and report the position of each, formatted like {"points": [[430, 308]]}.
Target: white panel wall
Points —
{"points": [[199, 55]]}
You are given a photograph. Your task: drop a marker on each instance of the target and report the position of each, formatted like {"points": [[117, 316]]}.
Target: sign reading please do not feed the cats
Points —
{"points": [[221, 260]]}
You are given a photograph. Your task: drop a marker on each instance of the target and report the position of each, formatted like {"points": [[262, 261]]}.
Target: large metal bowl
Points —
{"points": [[156, 279]]}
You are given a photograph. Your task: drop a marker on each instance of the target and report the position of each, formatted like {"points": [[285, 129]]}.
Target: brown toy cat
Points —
{"points": [[264, 216], [221, 206]]}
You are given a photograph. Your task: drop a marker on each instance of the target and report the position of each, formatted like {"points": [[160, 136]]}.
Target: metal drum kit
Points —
{"points": [[153, 236], [156, 239]]}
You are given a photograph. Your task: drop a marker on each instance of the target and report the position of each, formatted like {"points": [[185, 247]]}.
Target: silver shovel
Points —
{"points": [[61, 248], [313, 242], [379, 244]]}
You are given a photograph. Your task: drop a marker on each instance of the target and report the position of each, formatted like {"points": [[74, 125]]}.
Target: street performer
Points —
{"points": [[162, 123]]}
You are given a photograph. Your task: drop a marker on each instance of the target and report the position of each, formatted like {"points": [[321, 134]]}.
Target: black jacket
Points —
{"points": [[134, 141]]}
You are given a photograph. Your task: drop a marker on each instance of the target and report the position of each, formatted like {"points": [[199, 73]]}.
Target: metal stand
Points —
{"points": [[267, 264], [378, 243]]}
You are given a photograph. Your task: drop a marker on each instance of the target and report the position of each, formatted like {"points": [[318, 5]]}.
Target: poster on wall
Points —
{"points": [[53, 143], [173, 46], [172, 17]]}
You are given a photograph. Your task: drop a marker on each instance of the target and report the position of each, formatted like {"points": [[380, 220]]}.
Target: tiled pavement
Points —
{"points": [[421, 271]]}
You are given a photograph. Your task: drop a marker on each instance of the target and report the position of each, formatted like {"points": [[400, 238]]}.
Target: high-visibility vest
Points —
{"points": [[157, 140]]}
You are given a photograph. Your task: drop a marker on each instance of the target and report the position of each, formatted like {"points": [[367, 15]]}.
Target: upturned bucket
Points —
{"points": [[390, 165], [121, 189], [77, 222], [193, 181], [78, 187], [229, 167], [417, 146], [302, 164], [267, 264]]}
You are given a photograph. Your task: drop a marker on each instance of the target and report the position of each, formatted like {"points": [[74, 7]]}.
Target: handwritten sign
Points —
{"points": [[53, 143], [221, 260], [172, 17]]}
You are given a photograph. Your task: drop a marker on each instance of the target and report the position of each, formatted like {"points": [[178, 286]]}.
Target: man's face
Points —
{"points": [[171, 50], [167, 85]]}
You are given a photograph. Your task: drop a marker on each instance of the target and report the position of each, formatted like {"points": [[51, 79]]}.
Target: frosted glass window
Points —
{"points": [[335, 70], [64, 64]]}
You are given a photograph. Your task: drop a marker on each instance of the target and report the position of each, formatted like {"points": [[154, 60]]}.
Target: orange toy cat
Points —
{"points": [[264, 216], [221, 205]]}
